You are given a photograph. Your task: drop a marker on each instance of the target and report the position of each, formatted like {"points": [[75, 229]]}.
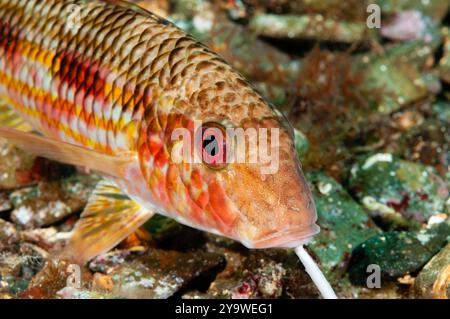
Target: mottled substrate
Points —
{"points": [[371, 112]]}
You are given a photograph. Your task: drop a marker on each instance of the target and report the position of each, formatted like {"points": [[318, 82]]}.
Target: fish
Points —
{"points": [[106, 84]]}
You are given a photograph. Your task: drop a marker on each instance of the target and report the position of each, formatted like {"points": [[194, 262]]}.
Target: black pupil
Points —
{"points": [[210, 145]]}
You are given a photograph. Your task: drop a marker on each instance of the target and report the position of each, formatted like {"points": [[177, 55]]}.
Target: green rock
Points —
{"points": [[308, 26], [417, 51], [397, 192], [394, 78], [436, 9], [301, 144], [441, 109], [434, 279], [427, 142], [392, 83], [397, 253], [275, 94], [158, 225], [344, 224]]}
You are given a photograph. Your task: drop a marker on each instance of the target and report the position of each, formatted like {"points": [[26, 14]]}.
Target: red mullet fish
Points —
{"points": [[106, 84]]}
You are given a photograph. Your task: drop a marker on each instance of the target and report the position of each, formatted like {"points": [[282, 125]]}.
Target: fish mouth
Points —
{"points": [[286, 239]]}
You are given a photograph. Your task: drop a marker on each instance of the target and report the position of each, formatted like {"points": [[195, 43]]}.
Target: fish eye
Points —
{"points": [[214, 146]]}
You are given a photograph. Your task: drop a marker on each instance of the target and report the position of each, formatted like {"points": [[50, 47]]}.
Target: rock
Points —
{"points": [[5, 203], [444, 63], [166, 233], [8, 234], [156, 274], [159, 7], [10, 266], [55, 279], [428, 140], [102, 282], [189, 8], [434, 9], [441, 110], [16, 167], [18, 267], [405, 26], [399, 83], [397, 253], [345, 10], [73, 293], [301, 144], [271, 273], [51, 201], [49, 238], [434, 279], [344, 225], [396, 192], [266, 282], [308, 26]]}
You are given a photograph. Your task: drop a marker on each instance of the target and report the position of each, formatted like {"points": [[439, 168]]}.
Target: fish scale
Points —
{"points": [[73, 63]]}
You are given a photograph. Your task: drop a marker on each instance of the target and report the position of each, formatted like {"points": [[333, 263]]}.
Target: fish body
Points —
{"points": [[107, 84]]}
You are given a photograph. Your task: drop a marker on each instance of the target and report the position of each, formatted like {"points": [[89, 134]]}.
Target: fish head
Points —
{"points": [[222, 159], [264, 193], [241, 179]]}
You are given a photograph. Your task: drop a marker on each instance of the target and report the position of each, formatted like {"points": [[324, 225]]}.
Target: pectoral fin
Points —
{"points": [[68, 153], [109, 217], [9, 118]]}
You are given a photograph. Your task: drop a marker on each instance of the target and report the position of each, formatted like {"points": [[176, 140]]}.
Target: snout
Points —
{"points": [[289, 238]]}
